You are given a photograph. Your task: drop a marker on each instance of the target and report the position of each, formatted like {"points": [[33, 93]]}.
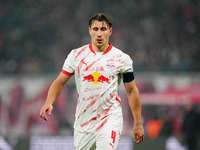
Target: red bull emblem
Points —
{"points": [[96, 78]]}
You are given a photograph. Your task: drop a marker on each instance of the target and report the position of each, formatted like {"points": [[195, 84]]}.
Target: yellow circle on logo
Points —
{"points": [[96, 75]]}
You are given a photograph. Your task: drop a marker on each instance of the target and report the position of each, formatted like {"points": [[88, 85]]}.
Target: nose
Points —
{"points": [[99, 33]]}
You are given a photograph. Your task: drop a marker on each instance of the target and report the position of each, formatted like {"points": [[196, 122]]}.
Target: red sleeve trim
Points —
{"points": [[67, 73]]}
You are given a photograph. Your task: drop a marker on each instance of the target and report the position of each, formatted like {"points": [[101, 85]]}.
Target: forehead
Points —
{"points": [[99, 24]]}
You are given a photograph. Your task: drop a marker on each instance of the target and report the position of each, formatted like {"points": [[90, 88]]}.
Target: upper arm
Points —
{"points": [[131, 87], [62, 78]]}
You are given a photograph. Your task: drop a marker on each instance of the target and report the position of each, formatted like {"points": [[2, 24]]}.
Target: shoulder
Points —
{"points": [[120, 54], [116, 50], [80, 49]]}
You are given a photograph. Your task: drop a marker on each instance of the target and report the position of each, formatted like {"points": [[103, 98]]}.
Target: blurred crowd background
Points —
{"points": [[35, 36], [161, 36]]}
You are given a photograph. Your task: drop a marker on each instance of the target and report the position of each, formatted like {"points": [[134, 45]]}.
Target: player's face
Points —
{"points": [[100, 33]]}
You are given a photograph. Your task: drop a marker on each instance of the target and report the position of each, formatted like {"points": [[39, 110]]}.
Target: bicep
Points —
{"points": [[62, 78], [131, 87]]}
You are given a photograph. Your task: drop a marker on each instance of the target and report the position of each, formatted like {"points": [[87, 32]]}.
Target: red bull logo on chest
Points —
{"points": [[96, 78]]}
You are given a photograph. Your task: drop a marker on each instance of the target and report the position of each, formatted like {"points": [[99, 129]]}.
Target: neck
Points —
{"points": [[100, 48]]}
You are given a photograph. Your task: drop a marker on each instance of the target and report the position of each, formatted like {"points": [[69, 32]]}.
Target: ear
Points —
{"points": [[89, 30], [110, 31]]}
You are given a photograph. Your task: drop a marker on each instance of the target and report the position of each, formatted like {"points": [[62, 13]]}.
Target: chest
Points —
{"points": [[98, 67]]}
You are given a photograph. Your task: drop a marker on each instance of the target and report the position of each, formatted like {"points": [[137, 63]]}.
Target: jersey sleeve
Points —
{"points": [[68, 66], [127, 64]]}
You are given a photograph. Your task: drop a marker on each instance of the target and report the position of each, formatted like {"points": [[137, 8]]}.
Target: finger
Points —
{"points": [[135, 137], [140, 139], [43, 115], [49, 111]]}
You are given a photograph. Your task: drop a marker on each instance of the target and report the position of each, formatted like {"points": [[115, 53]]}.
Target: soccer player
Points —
{"points": [[98, 68]]}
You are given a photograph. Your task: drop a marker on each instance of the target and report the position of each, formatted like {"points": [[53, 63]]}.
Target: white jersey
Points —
{"points": [[97, 77]]}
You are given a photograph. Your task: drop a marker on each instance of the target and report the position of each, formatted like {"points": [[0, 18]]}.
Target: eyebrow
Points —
{"points": [[101, 28]]}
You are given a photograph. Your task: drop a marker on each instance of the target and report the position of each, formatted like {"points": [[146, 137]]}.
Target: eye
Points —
{"points": [[95, 28], [103, 28]]}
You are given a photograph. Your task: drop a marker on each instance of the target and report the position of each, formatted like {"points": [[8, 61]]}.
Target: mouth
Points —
{"points": [[99, 40]]}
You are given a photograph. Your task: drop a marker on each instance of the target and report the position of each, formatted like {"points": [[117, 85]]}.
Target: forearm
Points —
{"points": [[53, 93], [135, 105]]}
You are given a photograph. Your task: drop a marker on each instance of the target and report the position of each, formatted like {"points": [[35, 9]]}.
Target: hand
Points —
{"points": [[44, 109], [138, 133]]}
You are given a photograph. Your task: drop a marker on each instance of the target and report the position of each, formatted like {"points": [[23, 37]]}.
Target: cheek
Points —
{"points": [[92, 35], [107, 35]]}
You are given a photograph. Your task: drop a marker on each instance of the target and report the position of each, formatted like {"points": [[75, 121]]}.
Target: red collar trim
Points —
{"points": [[109, 48], [90, 46]]}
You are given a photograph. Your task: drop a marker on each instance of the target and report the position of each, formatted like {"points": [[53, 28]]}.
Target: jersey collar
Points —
{"points": [[109, 48]]}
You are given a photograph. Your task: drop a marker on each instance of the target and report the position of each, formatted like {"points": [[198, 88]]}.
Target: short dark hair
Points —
{"points": [[100, 17]]}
